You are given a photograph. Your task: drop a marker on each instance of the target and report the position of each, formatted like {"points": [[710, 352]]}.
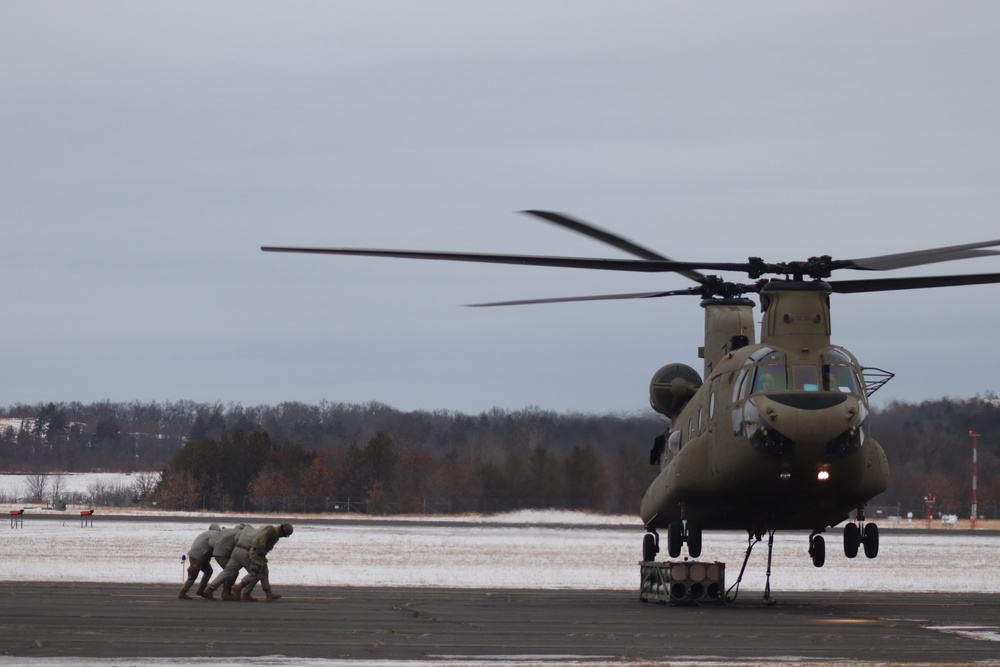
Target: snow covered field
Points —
{"points": [[521, 550], [17, 486]]}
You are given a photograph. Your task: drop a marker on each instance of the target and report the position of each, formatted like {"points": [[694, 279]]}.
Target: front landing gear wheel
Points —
{"points": [[693, 539], [817, 550], [852, 539], [870, 540], [675, 538]]}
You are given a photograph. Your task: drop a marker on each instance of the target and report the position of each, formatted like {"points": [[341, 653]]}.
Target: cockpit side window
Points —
{"points": [[770, 377], [840, 377]]}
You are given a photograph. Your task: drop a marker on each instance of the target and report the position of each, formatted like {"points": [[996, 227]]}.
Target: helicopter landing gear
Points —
{"points": [[857, 534], [650, 546], [817, 549], [679, 532], [852, 540], [869, 538]]}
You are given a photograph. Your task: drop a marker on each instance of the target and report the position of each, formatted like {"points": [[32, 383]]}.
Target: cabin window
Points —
{"points": [[770, 377], [711, 403]]}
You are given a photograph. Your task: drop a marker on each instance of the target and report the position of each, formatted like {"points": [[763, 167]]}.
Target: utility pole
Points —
{"points": [[975, 508]]}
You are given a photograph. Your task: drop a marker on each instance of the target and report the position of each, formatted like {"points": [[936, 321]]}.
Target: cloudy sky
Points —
{"points": [[150, 149]]}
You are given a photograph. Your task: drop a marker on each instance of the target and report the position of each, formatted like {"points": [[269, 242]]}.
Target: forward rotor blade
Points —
{"points": [[919, 257], [639, 266], [602, 297], [611, 239], [920, 282]]}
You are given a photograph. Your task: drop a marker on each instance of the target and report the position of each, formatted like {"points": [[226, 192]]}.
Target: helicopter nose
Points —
{"points": [[820, 424]]}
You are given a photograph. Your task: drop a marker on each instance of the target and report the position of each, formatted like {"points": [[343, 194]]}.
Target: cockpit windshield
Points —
{"points": [[805, 378], [769, 376]]}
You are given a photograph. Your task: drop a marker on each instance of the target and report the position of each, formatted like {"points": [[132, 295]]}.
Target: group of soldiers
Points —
{"points": [[236, 548]]}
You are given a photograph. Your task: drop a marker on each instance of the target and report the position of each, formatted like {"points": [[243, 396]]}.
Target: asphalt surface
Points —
{"points": [[58, 619]]}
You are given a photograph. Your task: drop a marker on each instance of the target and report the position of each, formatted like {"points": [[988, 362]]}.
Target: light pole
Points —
{"points": [[975, 508]]}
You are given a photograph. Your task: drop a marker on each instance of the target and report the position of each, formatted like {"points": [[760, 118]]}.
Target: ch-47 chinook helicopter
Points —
{"points": [[774, 435]]}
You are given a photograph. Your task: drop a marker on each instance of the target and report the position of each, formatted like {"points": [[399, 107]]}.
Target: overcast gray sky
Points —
{"points": [[150, 149]]}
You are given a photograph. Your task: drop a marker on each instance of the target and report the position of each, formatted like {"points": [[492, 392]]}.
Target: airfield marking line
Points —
{"points": [[171, 597], [899, 604]]}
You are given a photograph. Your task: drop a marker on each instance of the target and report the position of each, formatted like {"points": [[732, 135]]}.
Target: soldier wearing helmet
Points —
{"points": [[260, 546]]}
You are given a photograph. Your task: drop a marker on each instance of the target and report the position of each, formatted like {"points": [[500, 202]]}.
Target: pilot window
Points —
{"points": [[770, 377], [838, 377]]}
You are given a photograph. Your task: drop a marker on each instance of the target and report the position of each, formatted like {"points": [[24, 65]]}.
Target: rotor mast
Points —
{"points": [[796, 309]]}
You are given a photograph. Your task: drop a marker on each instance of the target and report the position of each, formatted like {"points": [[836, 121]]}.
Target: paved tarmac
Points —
{"points": [[58, 619]]}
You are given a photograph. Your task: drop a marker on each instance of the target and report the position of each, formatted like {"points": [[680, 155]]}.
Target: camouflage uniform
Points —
{"points": [[231, 552], [260, 546], [200, 560]]}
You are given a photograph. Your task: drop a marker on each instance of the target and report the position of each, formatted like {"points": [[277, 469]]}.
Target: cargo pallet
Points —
{"points": [[683, 582]]}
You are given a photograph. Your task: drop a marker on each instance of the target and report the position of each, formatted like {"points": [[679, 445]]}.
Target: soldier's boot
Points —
{"points": [[272, 596], [244, 595], [227, 593], [207, 593], [202, 587], [184, 594]]}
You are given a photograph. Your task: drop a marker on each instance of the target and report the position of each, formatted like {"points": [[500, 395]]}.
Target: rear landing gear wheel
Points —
{"points": [[649, 547], [817, 550], [870, 540], [852, 539]]}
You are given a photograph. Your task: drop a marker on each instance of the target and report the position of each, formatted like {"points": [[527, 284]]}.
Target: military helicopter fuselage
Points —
{"points": [[776, 435]]}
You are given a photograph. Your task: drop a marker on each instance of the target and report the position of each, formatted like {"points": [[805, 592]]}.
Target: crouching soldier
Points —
{"points": [[261, 545], [200, 560], [234, 546], [224, 545]]}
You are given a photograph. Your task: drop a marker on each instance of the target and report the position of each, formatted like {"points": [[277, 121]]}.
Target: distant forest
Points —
{"points": [[374, 458]]}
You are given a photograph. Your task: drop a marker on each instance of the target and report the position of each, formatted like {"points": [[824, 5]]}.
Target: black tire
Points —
{"points": [[649, 547], [870, 540], [693, 539], [817, 549], [675, 538], [852, 539]]}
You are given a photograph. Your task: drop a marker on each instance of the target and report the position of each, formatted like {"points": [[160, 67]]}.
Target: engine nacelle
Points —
{"points": [[672, 387]]}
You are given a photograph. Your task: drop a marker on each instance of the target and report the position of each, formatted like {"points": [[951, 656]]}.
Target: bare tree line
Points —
{"points": [[498, 458], [50, 489]]}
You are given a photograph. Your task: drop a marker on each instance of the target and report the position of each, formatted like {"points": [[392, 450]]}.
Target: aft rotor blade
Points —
{"points": [[919, 257], [634, 265], [920, 282], [611, 239], [602, 297]]}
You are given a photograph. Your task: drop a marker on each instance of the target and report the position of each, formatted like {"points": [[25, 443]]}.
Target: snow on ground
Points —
{"points": [[518, 550], [521, 550], [16, 486]]}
